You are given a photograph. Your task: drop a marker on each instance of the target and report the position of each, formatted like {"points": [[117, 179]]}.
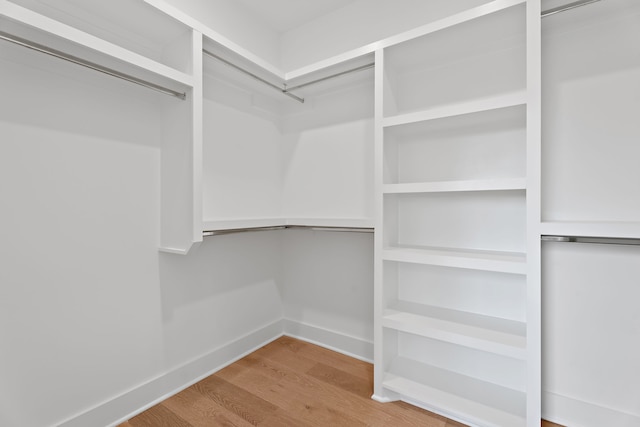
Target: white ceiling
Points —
{"points": [[284, 15]]}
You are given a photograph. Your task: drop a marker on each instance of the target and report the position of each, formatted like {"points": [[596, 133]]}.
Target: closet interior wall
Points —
{"points": [[270, 160], [267, 156], [591, 96], [96, 174]]}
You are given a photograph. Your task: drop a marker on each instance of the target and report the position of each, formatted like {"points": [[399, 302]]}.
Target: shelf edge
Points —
{"points": [[505, 184], [459, 109]]}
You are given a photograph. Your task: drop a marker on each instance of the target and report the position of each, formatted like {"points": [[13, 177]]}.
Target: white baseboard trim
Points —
{"points": [[355, 347], [572, 412], [137, 400], [121, 408]]}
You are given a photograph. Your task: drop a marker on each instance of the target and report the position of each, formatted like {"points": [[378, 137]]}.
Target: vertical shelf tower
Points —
{"points": [[457, 247]]}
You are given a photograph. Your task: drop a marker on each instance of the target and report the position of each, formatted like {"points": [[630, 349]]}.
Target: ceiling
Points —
{"points": [[285, 15]]}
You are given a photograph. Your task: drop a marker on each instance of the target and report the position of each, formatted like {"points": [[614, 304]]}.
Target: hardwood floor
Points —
{"points": [[287, 383]]}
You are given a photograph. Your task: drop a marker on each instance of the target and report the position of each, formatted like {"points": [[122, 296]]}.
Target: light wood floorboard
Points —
{"points": [[287, 383]]}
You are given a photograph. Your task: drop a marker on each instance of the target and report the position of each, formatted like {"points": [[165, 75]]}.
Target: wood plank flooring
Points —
{"points": [[287, 383]]}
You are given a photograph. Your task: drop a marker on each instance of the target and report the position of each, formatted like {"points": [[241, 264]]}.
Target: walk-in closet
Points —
{"points": [[445, 191]]}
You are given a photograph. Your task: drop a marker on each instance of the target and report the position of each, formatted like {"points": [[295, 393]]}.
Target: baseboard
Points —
{"points": [[131, 403], [572, 412], [115, 411], [351, 346]]}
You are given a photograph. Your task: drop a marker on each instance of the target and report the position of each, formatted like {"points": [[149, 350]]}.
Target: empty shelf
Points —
{"points": [[504, 262], [499, 336], [452, 186], [470, 107]]}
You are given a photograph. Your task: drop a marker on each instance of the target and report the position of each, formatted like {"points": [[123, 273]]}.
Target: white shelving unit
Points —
{"points": [[589, 146], [453, 149]]}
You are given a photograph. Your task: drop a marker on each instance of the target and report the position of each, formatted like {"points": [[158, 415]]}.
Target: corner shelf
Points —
{"points": [[490, 334], [248, 223]]}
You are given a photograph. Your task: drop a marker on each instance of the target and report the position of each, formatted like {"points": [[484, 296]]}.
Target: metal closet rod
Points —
{"points": [[284, 89], [250, 74], [587, 239], [88, 64], [285, 227], [566, 7], [342, 73]]}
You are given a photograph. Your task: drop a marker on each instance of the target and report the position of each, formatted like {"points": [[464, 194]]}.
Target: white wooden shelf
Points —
{"points": [[494, 335], [453, 186], [619, 229], [503, 262], [73, 41], [448, 392], [470, 107]]}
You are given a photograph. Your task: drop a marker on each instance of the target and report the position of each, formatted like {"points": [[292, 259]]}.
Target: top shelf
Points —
{"points": [[142, 42], [471, 62], [496, 25]]}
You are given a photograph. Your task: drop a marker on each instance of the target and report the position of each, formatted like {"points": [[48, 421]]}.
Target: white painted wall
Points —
{"points": [[242, 154], [89, 309], [591, 325], [327, 289], [591, 330], [327, 152]]}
